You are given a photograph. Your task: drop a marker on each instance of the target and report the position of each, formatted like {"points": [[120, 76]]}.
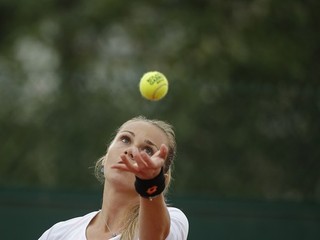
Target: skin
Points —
{"points": [[139, 149]]}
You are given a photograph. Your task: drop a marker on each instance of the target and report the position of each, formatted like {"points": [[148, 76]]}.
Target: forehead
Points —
{"points": [[146, 130]]}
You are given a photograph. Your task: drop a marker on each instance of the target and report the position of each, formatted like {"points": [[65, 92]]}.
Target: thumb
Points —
{"points": [[163, 151]]}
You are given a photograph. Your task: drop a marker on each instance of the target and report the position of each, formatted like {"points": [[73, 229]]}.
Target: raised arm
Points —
{"points": [[154, 220]]}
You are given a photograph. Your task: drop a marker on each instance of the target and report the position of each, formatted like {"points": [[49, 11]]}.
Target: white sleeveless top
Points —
{"points": [[75, 228]]}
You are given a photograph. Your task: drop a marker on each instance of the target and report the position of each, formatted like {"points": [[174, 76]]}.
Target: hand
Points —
{"points": [[142, 165]]}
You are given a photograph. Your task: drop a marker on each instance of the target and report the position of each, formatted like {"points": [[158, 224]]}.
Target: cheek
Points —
{"points": [[108, 158], [112, 156]]}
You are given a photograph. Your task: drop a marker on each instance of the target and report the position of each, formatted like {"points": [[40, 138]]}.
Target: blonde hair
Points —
{"points": [[131, 219]]}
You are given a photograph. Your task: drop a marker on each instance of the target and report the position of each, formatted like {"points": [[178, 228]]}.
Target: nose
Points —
{"points": [[129, 153]]}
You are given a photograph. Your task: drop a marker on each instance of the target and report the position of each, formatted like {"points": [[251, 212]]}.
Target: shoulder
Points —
{"points": [[179, 224], [73, 228], [177, 213]]}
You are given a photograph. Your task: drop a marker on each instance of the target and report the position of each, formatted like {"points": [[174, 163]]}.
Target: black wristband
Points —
{"points": [[150, 187]]}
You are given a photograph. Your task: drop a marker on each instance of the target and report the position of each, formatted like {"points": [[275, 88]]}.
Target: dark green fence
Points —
{"points": [[25, 214]]}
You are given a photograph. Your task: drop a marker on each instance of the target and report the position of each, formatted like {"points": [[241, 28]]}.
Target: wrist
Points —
{"points": [[150, 188]]}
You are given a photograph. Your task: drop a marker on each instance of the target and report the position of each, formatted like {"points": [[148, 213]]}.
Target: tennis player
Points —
{"points": [[136, 172]]}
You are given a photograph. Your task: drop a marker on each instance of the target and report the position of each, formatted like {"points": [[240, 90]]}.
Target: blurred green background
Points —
{"points": [[244, 97]]}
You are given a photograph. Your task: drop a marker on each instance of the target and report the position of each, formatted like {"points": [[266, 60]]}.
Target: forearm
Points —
{"points": [[154, 220]]}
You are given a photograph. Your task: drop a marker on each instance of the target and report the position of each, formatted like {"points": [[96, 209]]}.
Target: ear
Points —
{"points": [[167, 178], [103, 160]]}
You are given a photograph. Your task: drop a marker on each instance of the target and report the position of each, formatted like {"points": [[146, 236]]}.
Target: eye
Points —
{"points": [[125, 139], [148, 150]]}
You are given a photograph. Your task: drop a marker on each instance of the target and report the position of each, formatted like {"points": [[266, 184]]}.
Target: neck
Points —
{"points": [[115, 206]]}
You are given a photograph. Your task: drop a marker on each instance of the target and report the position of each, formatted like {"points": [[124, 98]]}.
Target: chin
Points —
{"points": [[121, 179]]}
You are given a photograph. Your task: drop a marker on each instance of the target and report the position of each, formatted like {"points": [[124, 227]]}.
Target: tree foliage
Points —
{"points": [[244, 90]]}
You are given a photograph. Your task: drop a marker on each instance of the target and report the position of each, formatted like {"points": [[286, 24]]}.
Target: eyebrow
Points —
{"points": [[146, 141]]}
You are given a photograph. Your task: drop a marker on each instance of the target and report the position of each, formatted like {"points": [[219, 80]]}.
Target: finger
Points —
{"points": [[147, 159], [129, 164], [137, 156], [163, 151], [152, 162]]}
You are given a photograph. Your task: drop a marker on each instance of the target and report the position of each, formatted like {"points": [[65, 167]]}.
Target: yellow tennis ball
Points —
{"points": [[153, 86]]}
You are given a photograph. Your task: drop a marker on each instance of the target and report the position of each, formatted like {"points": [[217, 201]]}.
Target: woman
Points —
{"points": [[136, 172]]}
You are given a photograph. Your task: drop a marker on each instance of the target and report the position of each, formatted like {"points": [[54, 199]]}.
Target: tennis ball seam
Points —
{"points": [[157, 89]]}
